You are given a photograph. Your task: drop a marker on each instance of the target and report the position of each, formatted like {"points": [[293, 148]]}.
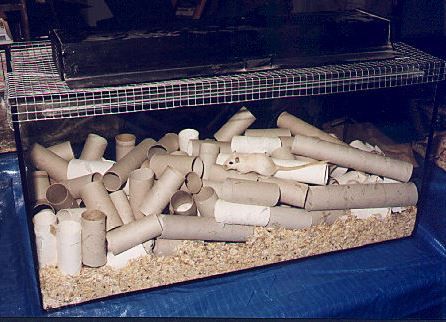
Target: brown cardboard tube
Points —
{"points": [[218, 173], [64, 150], [283, 153], [184, 164], [124, 143], [94, 251], [250, 192], [59, 197], [314, 174], [193, 148], [241, 214], [170, 142], [255, 144], [287, 141], [178, 153], [95, 196], [300, 127], [42, 205], [272, 133], [159, 196], [292, 193], [140, 182], [193, 182], [75, 185], [78, 168], [236, 125], [205, 201], [120, 171], [45, 160], [185, 136], [361, 196], [41, 182], [293, 218], [182, 204], [72, 214], [94, 147], [132, 234], [156, 149], [122, 205], [217, 186], [166, 247], [208, 154], [349, 157], [202, 228], [145, 165]]}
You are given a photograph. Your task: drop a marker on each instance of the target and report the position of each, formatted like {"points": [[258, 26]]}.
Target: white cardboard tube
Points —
{"points": [[122, 259], [124, 143], [122, 205], [202, 228], [59, 197], [132, 234], [41, 182], [69, 247], [236, 125], [205, 201], [94, 252], [293, 218], [185, 136], [140, 182], [222, 157], [64, 150], [250, 192], [45, 160], [241, 214], [292, 193], [166, 247], [314, 174], [272, 133], [182, 163], [45, 232], [287, 141], [360, 196], [349, 157], [73, 214], [78, 168], [182, 203], [170, 142], [94, 147], [253, 144]]}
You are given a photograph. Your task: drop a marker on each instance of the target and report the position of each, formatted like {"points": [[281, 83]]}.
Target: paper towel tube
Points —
{"points": [[44, 229], [159, 196], [64, 150], [69, 247], [166, 247], [185, 136], [314, 174], [253, 144], [283, 153], [236, 125], [118, 174], [59, 197], [272, 133], [241, 214], [78, 168], [72, 214], [122, 260], [360, 196], [218, 173], [208, 154], [349, 157], [293, 218], [124, 143], [202, 228], [122, 205], [41, 182], [140, 182], [170, 142], [300, 127], [94, 148], [193, 182], [182, 204], [95, 196], [184, 164], [75, 185], [292, 193], [45, 160], [94, 251], [132, 234], [250, 192], [205, 201]]}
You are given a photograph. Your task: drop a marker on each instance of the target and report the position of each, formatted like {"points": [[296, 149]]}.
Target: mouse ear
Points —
{"points": [[237, 159]]}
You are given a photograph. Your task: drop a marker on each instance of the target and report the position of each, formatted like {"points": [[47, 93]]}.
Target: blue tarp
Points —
{"points": [[397, 279]]}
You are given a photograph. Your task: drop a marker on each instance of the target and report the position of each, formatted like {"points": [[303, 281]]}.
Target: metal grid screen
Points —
{"points": [[35, 91]]}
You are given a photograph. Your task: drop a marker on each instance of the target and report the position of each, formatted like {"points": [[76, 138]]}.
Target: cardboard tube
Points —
{"points": [[292, 193], [59, 197], [208, 154], [178, 153], [222, 157], [94, 252], [250, 192], [166, 247], [159, 196], [202, 228], [185, 136], [293, 218], [145, 165], [336, 171], [148, 246], [193, 182], [121, 260], [75, 185], [218, 173], [69, 249], [193, 148], [94, 148], [140, 182], [360, 196], [241, 214], [283, 153], [72, 214], [217, 186], [95, 196], [314, 174], [64, 150], [122, 205], [78, 168], [45, 160], [184, 164], [351, 177], [236, 125], [272, 133], [170, 142], [253, 144], [300, 127], [118, 174], [287, 141], [41, 182], [46, 244], [182, 204], [205, 201], [156, 149], [132, 234], [124, 143]]}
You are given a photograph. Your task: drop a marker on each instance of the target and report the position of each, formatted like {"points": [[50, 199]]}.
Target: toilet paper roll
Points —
{"points": [[272, 133], [166, 247], [159, 196], [123, 259], [78, 168], [241, 214], [293, 218], [45, 160], [292, 193], [132, 234], [283, 153], [349, 157], [250, 192], [193, 148], [94, 148], [216, 185], [95, 196], [218, 173], [41, 182], [185, 136], [124, 143], [118, 174], [145, 165], [313, 174], [178, 153], [140, 182], [193, 182], [69, 247], [202, 228], [287, 141], [236, 125], [361, 196], [170, 141], [71, 214], [184, 164], [94, 252], [208, 154], [253, 144], [122, 205], [59, 197], [75, 185], [45, 233], [64, 150], [156, 149], [182, 204], [205, 201]]}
